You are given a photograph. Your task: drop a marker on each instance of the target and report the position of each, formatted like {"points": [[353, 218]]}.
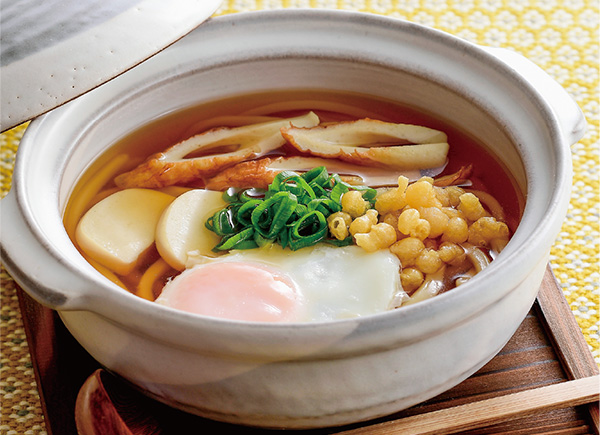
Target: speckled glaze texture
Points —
{"points": [[54, 51], [316, 374]]}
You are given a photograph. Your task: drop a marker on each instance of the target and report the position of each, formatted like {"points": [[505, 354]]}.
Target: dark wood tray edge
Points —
{"points": [[569, 342]]}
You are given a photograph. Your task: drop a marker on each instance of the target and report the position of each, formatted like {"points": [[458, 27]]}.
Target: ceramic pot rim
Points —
{"points": [[119, 302]]}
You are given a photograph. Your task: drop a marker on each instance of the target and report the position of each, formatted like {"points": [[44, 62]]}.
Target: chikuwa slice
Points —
{"points": [[176, 165], [371, 142]]}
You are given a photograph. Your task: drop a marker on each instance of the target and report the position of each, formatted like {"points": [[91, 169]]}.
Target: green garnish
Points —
{"points": [[292, 212]]}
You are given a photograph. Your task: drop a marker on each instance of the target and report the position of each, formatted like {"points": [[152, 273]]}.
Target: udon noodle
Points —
{"points": [[444, 221]]}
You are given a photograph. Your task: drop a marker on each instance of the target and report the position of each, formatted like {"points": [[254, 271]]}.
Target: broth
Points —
{"points": [[97, 182]]}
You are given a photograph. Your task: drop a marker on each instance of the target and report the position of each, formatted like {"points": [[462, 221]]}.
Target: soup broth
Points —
{"points": [[487, 176]]}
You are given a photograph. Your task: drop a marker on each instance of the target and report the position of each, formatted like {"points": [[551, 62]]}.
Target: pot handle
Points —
{"points": [[21, 252], [569, 115]]}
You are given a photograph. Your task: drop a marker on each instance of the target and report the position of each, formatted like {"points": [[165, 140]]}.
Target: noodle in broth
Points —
{"points": [[488, 181]]}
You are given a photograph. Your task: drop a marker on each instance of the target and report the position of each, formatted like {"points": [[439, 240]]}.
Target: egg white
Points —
{"points": [[334, 282]]}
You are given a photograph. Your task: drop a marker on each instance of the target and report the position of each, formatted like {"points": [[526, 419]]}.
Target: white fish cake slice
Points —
{"points": [[182, 229], [119, 229]]}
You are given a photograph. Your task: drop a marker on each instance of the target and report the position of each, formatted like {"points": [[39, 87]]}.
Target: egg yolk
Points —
{"points": [[238, 291]]}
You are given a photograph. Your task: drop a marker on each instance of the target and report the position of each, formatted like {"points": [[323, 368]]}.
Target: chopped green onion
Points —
{"points": [[262, 241], [317, 176], [230, 195], [335, 242], [222, 222], [292, 212], [338, 190], [244, 212], [308, 230], [251, 194], [235, 241], [278, 208]]}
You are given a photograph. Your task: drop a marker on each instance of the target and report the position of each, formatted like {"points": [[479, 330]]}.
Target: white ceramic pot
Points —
{"points": [[315, 374]]}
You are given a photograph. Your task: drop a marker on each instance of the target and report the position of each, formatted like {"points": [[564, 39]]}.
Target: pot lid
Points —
{"points": [[52, 51]]}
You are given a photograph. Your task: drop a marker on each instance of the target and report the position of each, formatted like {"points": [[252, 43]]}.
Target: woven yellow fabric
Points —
{"points": [[561, 36]]}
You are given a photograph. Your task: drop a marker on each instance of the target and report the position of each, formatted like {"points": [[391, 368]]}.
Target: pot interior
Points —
{"points": [[148, 102]]}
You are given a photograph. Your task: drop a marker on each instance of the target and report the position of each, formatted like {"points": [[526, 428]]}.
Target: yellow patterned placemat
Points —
{"points": [[561, 36]]}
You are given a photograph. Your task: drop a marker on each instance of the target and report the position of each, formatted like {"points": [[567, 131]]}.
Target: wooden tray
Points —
{"points": [[535, 367]]}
